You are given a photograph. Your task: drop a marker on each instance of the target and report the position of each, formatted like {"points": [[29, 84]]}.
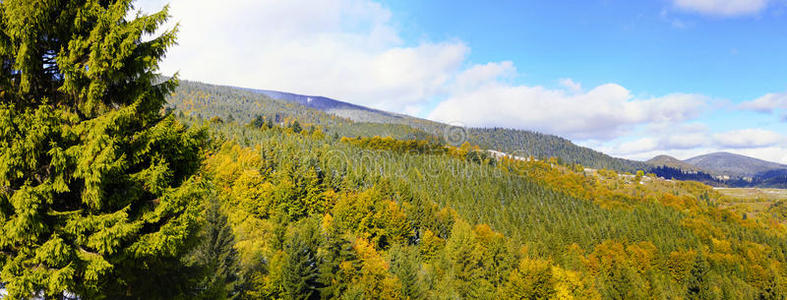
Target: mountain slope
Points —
{"points": [[288, 196], [539, 145], [669, 161], [521, 142], [243, 105], [666, 166], [733, 165], [351, 111]]}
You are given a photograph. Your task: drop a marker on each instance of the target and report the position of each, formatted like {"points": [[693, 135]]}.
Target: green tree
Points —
{"points": [[258, 121], [300, 273], [98, 193], [465, 256], [296, 127], [698, 287], [216, 256], [531, 280], [405, 264]]}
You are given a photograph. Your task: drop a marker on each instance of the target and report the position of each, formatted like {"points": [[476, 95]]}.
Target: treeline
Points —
{"points": [[680, 174], [767, 179]]}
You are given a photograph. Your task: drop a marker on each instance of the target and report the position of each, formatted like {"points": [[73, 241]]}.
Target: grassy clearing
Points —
{"points": [[753, 194], [755, 202]]}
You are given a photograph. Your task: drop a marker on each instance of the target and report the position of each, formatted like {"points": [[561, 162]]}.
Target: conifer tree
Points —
{"points": [[405, 264], [301, 269], [216, 256], [698, 287], [296, 127], [98, 192], [258, 122]]}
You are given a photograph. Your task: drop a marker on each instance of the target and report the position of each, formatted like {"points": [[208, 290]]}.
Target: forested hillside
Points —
{"points": [[529, 143], [243, 105], [395, 219], [733, 165], [230, 103]]}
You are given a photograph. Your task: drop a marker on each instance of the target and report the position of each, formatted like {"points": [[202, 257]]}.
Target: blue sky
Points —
{"points": [[630, 78], [646, 46]]}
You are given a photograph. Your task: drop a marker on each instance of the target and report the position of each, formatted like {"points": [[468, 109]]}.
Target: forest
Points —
{"points": [[512, 229], [109, 192]]}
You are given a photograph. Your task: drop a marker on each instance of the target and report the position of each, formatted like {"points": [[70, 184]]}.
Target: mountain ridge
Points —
{"points": [[352, 120], [733, 165], [722, 169], [672, 162]]}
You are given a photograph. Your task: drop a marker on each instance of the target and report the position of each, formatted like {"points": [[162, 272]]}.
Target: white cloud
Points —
{"points": [[604, 112], [570, 84], [767, 104], [351, 50], [479, 75], [684, 141], [678, 24], [638, 146], [688, 140], [680, 136], [346, 49], [773, 153], [722, 7], [748, 138]]}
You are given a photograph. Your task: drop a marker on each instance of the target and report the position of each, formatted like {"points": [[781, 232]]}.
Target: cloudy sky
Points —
{"points": [[630, 78]]}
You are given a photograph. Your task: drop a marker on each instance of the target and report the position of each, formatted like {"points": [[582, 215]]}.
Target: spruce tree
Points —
{"points": [[698, 287], [216, 256], [296, 127], [258, 121], [300, 274], [99, 196], [405, 264]]}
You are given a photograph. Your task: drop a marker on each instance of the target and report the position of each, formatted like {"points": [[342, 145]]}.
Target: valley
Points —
{"points": [[759, 203]]}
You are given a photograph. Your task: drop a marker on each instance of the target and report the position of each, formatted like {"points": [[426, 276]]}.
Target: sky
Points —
{"points": [[633, 79]]}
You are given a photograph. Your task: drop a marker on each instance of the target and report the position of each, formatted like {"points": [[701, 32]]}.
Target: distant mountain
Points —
{"points": [[772, 178], [733, 165], [669, 161], [333, 106], [722, 169], [318, 102], [350, 111], [672, 168]]}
